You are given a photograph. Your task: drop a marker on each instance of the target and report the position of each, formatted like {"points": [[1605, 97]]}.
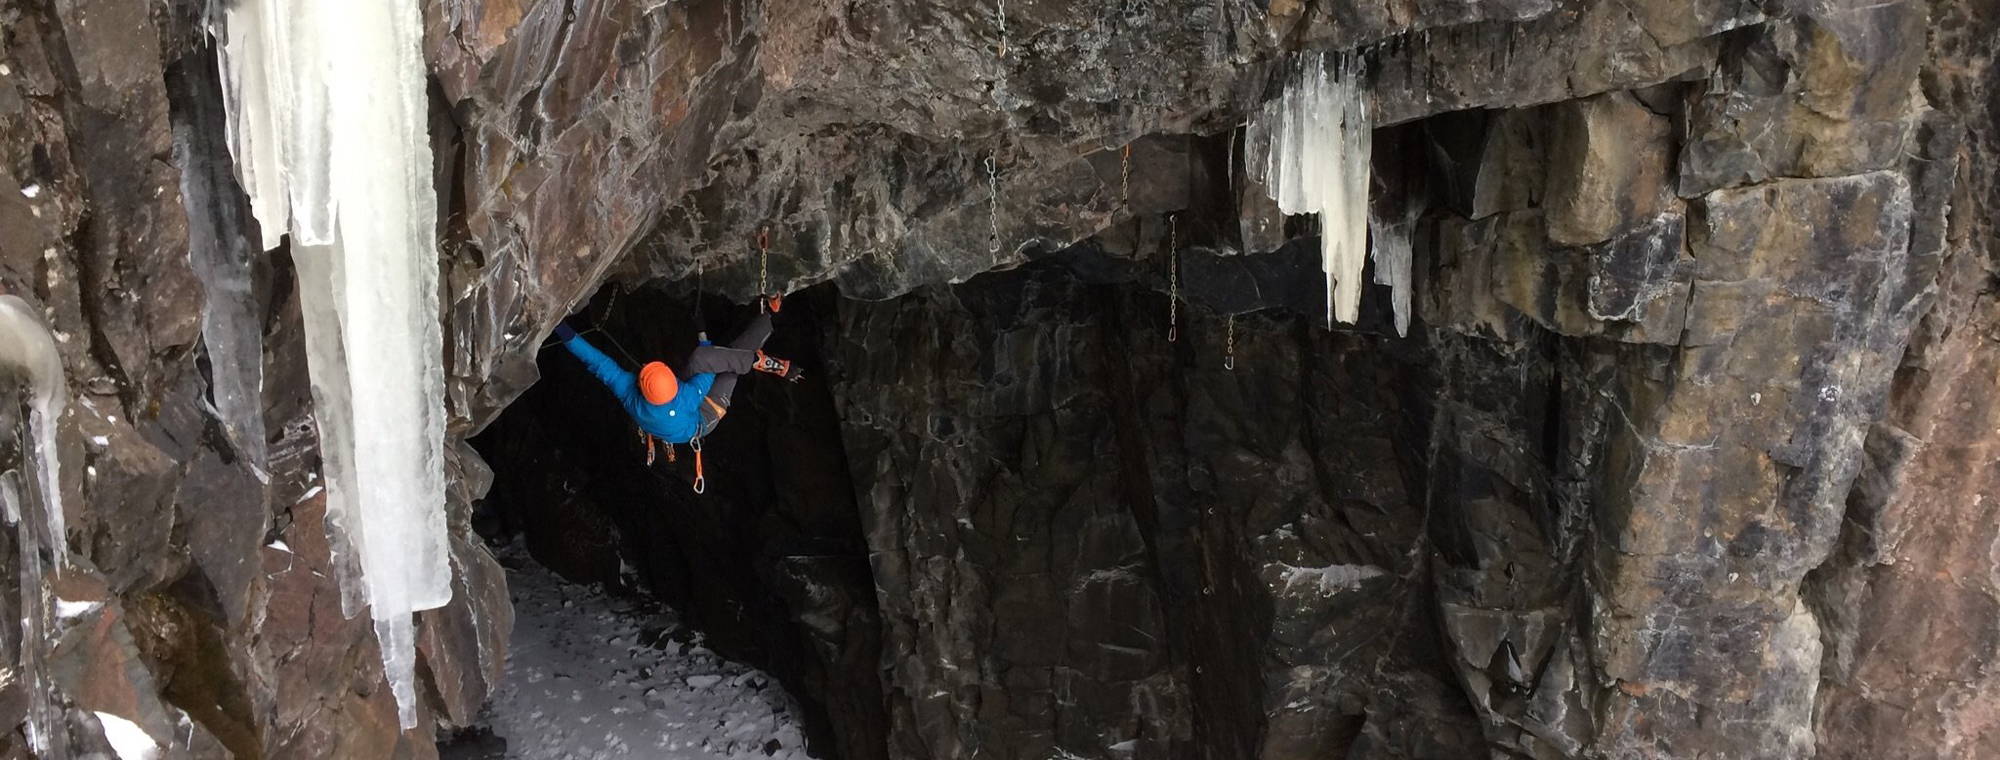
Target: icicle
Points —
{"points": [[232, 329], [26, 346], [28, 351], [1318, 134], [328, 121], [46, 735], [1392, 265]]}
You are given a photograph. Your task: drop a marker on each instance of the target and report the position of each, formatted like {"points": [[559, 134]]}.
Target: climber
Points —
{"points": [[679, 411]]}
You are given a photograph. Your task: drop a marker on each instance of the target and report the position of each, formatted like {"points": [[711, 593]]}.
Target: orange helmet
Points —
{"points": [[657, 383]]}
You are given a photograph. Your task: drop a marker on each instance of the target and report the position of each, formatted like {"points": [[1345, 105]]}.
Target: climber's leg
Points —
{"points": [[754, 334], [719, 360]]}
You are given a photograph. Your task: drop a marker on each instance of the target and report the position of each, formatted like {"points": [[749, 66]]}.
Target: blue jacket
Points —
{"points": [[677, 421]]}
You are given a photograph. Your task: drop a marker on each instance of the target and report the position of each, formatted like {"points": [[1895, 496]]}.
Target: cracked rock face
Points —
{"points": [[1685, 453]]}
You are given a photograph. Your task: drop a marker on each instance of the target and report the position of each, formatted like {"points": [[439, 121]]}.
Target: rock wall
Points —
{"points": [[1681, 456]]}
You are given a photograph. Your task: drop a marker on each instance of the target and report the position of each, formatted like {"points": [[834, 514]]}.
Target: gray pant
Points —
{"points": [[739, 357]]}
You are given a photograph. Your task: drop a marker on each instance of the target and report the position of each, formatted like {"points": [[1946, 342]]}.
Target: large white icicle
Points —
{"points": [[327, 113], [1317, 137], [28, 354]]}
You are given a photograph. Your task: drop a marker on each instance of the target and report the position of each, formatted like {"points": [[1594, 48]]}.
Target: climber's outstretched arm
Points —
{"points": [[621, 382]]}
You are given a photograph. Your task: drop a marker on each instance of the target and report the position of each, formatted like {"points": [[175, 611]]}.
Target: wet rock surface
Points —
{"points": [[1682, 455]]}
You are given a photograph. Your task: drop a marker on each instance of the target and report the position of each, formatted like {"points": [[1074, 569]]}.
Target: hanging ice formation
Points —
{"points": [[28, 355], [327, 118], [231, 325], [1316, 139], [1393, 262]]}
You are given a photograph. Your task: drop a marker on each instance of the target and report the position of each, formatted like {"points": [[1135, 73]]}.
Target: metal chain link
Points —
{"points": [[763, 261], [993, 203], [1125, 176], [1173, 278], [1000, 13], [1230, 179], [1229, 348]]}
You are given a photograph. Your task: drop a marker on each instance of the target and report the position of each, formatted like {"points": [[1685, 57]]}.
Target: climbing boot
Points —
{"points": [[773, 302], [776, 366]]}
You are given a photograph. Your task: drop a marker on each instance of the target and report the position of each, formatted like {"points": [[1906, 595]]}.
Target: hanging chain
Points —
{"points": [[1231, 178], [1125, 176], [763, 261], [1000, 13], [1173, 278], [993, 203], [612, 302], [1229, 348]]}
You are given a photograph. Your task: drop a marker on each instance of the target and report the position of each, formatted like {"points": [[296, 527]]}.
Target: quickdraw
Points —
{"points": [[700, 477], [647, 438]]}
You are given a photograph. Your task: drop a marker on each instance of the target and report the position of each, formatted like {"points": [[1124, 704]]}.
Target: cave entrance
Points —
{"points": [[768, 567]]}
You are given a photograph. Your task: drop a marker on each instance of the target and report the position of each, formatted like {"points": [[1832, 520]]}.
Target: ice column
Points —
{"points": [[1316, 137], [328, 124], [28, 354]]}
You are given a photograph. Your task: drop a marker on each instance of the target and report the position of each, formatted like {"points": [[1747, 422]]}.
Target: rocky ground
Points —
{"points": [[597, 677]]}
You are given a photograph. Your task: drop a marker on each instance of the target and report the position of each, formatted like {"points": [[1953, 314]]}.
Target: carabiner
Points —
{"points": [[700, 478]]}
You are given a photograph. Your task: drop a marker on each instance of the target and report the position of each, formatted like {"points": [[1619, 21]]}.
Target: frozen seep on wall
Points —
{"points": [[327, 123]]}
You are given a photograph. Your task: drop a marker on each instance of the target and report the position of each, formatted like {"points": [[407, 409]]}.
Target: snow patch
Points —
{"points": [[1328, 580], [66, 609], [127, 739]]}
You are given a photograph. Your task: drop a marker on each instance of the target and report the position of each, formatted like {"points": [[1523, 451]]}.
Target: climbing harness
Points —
{"points": [[1173, 278], [993, 203], [763, 259], [1229, 348], [647, 438], [700, 478]]}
